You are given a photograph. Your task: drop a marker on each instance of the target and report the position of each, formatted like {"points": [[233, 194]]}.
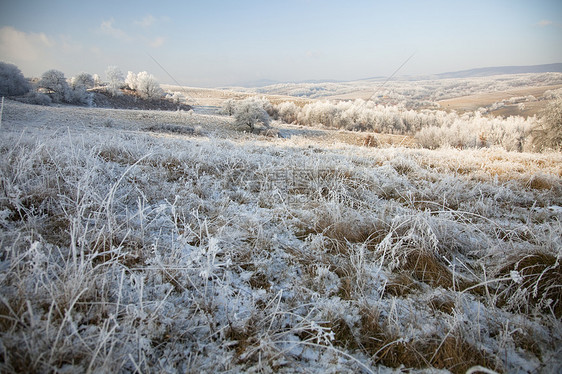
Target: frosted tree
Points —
{"points": [[131, 80], [55, 83], [250, 112], [148, 87], [228, 107], [115, 80], [12, 81], [547, 134], [84, 80], [79, 86]]}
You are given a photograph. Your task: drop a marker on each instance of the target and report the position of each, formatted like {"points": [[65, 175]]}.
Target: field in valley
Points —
{"points": [[148, 241]]}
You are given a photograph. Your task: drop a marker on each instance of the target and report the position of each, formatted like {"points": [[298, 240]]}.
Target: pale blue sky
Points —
{"points": [[212, 43]]}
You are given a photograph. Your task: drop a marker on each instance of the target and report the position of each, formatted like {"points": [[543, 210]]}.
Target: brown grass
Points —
{"points": [[452, 352], [542, 280], [425, 267], [401, 284], [443, 304], [370, 141]]}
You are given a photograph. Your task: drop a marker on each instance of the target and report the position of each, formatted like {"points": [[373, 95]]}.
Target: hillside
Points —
{"points": [[502, 70], [146, 241]]}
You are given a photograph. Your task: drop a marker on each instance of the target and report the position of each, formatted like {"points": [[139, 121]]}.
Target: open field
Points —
{"points": [[474, 102], [147, 241], [215, 98]]}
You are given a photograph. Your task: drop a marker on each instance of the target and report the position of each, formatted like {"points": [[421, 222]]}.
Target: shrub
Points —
{"points": [[12, 81], [36, 98], [547, 134], [228, 107], [288, 111], [250, 112]]}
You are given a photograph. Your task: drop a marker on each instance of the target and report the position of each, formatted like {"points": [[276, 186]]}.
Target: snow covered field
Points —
{"points": [[139, 241]]}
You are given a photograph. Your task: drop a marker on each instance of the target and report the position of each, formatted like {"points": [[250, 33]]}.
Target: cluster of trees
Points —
{"points": [[360, 115], [144, 84], [432, 128], [53, 86]]}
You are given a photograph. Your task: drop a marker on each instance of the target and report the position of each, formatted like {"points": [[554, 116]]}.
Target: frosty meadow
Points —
{"points": [[288, 228]]}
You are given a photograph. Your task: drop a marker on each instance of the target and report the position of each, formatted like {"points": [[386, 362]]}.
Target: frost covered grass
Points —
{"points": [[131, 245]]}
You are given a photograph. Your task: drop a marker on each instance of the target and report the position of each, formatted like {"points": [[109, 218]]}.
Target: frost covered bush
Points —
{"points": [[251, 112], [547, 134], [360, 115], [115, 80], [37, 98], [228, 107], [431, 128], [12, 81], [287, 111]]}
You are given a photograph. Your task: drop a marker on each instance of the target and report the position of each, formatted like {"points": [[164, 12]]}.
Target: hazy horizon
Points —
{"points": [[223, 43]]}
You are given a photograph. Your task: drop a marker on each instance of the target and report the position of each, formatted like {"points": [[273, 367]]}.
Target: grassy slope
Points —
{"points": [[164, 242]]}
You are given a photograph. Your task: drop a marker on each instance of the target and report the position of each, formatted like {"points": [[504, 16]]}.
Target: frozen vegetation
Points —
{"points": [[140, 241], [413, 93]]}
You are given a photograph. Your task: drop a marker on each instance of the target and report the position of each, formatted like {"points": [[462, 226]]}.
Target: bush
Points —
{"points": [[547, 134], [12, 81], [228, 107], [36, 98], [250, 112], [55, 83]]}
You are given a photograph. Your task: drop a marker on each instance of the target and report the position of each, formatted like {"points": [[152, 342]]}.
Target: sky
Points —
{"points": [[218, 43]]}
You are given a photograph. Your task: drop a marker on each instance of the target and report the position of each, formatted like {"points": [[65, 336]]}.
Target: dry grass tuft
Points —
{"points": [[540, 287], [455, 354], [426, 267], [120, 156], [452, 352], [443, 304], [541, 182], [370, 141], [401, 284]]}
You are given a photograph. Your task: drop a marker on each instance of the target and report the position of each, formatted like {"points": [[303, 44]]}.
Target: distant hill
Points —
{"points": [[271, 82], [471, 73], [502, 70]]}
